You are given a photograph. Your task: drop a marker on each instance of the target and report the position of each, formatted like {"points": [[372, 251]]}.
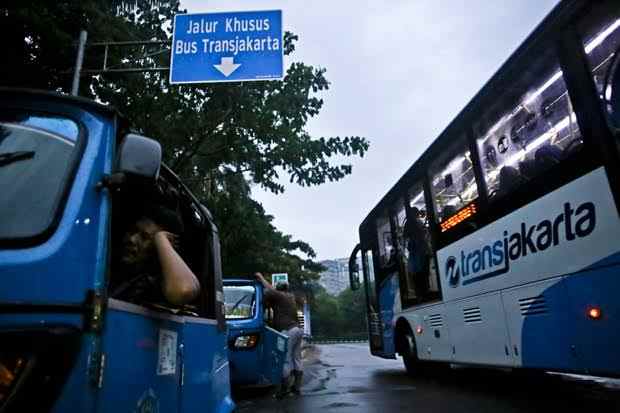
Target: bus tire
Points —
{"points": [[410, 355]]}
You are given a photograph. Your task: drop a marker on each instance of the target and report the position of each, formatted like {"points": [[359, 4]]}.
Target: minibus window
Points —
{"points": [[36, 154]]}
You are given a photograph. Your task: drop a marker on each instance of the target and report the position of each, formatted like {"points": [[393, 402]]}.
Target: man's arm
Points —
{"points": [[179, 285], [271, 294], [259, 277]]}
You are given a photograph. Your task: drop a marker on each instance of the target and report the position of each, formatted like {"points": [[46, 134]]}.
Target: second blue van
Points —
{"points": [[256, 351]]}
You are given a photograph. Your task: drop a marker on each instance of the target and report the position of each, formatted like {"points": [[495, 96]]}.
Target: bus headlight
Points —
{"points": [[246, 342]]}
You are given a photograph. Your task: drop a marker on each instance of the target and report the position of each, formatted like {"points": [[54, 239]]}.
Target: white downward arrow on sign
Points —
{"points": [[227, 66]]}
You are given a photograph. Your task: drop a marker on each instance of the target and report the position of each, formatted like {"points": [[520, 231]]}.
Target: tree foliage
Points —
{"points": [[221, 139], [338, 316]]}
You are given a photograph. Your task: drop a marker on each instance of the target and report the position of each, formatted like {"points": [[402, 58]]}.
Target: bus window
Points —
{"points": [[387, 250], [369, 280], [400, 220], [528, 130], [601, 33], [453, 186]]}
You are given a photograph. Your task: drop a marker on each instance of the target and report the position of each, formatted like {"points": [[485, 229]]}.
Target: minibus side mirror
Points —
{"points": [[139, 156], [354, 269]]}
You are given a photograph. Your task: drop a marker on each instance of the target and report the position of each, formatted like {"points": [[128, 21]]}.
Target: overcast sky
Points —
{"points": [[400, 71]]}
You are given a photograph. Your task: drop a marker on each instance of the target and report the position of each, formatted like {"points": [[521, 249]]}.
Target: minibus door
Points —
{"points": [[272, 353], [205, 377], [139, 366]]}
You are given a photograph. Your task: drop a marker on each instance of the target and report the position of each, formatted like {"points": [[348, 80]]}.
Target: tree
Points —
{"points": [[256, 128], [251, 241], [326, 316], [220, 138], [353, 305]]}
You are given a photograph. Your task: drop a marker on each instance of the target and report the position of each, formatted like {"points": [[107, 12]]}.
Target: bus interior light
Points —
{"points": [[459, 217], [594, 313], [419, 329]]}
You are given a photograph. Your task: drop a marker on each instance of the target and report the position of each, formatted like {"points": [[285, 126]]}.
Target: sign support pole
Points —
{"points": [[78, 63]]}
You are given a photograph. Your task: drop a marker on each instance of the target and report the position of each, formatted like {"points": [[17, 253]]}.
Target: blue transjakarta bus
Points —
{"points": [[500, 246], [73, 180]]}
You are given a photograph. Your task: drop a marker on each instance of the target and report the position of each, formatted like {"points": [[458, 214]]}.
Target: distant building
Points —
{"points": [[336, 278]]}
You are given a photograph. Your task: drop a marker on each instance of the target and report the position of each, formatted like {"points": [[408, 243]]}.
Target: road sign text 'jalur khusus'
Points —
{"points": [[227, 47]]}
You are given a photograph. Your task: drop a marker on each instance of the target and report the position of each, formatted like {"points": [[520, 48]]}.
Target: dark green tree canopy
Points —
{"points": [[219, 138]]}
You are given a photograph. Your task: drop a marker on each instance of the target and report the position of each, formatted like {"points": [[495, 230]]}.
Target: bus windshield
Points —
{"points": [[36, 153], [239, 301]]}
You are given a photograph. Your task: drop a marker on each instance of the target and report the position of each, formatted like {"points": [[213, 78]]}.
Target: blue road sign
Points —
{"points": [[227, 47]]}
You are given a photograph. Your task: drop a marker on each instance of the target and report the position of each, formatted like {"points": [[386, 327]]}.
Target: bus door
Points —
{"points": [[386, 285], [419, 283], [374, 325]]}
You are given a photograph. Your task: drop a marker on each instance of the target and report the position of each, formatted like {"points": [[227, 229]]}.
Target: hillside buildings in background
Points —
{"points": [[336, 279]]}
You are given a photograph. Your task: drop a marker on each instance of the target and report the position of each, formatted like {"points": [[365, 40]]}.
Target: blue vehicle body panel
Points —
{"points": [[132, 375], [262, 364], [592, 348], [205, 366], [389, 304], [273, 355]]}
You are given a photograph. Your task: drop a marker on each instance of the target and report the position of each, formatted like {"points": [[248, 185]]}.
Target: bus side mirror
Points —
{"points": [[139, 156], [354, 271]]}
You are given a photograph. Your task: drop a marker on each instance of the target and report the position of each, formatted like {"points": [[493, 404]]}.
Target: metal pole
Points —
{"points": [[78, 63]]}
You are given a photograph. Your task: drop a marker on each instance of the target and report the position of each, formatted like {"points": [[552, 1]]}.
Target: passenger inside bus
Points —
{"points": [[418, 246], [150, 270], [509, 179]]}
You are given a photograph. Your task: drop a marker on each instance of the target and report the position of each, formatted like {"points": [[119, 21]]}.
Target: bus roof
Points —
{"points": [[546, 31]]}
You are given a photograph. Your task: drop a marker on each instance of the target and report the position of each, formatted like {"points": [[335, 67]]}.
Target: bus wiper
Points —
{"points": [[10, 157]]}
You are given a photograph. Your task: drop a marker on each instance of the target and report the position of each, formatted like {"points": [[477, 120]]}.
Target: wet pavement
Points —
{"points": [[346, 378]]}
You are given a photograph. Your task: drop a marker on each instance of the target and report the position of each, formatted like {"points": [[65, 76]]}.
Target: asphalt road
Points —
{"points": [[346, 378]]}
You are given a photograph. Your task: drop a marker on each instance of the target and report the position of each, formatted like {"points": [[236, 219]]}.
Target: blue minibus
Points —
{"points": [[256, 351], [72, 178]]}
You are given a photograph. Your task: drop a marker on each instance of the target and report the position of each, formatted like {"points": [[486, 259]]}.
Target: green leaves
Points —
{"points": [[219, 138], [338, 316]]}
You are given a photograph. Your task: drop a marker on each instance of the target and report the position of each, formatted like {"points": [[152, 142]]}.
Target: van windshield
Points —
{"points": [[36, 154], [239, 301]]}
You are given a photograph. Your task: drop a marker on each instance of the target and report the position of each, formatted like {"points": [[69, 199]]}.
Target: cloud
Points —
{"points": [[400, 71]]}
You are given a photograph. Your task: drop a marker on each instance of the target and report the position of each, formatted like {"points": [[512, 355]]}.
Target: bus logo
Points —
{"points": [[453, 272], [494, 258]]}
